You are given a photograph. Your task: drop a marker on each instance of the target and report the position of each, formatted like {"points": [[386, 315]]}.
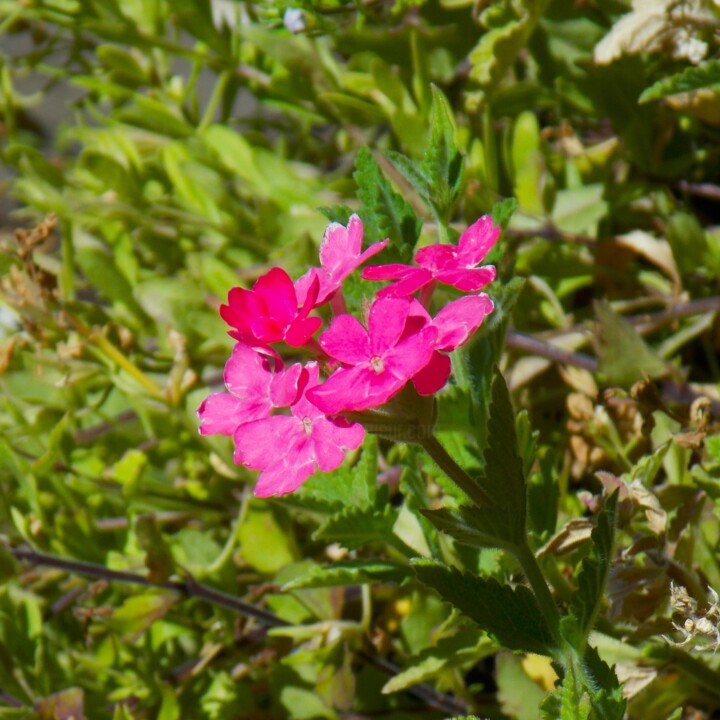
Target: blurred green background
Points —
{"points": [[155, 153]]}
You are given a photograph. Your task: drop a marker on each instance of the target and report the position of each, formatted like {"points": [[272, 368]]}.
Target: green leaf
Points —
{"points": [[463, 648], [592, 578], [519, 696], [8, 565], [503, 211], [264, 540], [349, 486], [528, 163], [350, 572], [502, 479], [691, 78], [624, 357], [589, 691], [688, 241], [357, 526], [442, 162], [511, 615], [579, 210], [101, 270], [462, 525], [138, 613], [384, 213], [158, 558], [511, 26]]}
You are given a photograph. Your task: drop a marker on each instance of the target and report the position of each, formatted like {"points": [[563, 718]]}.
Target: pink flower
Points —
{"points": [[455, 323], [340, 254], [377, 362], [269, 312], [254, 390], [290, 448], [449, 264]]}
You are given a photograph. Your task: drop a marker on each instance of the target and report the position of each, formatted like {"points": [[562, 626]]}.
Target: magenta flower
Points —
{"points": [[269, 312], [290, 448], [340, 254], [255, 388], [449, 264], [455, 323], [377, 362]]}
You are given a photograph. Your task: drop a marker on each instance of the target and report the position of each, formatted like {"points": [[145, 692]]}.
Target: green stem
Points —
{"points": [[218, 90], [96, 338], [529, 564], [440, 455], [67, 274]]}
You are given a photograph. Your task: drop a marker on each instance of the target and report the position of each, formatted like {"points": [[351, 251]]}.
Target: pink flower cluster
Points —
{"points": [[286, 421]]}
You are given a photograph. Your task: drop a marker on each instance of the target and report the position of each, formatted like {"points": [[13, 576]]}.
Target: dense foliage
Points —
{"points": [[156, 154]]}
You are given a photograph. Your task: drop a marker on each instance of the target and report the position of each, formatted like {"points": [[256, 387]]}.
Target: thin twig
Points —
{"points": [[10, 700], [192, 588], [189, 588], [705, 190], [543, 348]]}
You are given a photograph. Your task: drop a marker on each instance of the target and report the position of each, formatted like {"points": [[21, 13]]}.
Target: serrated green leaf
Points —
{"points": [[348, 486], [462, 526], [606, 693], [585, 601], [503, 211], [511, 615], [351, 572], [442, 162], [502, 477], [384, 212], [357, 526], [691, 78]]}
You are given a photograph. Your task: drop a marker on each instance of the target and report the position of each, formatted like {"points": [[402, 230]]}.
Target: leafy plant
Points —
{"points": [[553, 540]]}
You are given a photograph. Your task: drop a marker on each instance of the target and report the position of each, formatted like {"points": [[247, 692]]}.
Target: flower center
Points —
{"points": [[307, 425], [376, 363]]}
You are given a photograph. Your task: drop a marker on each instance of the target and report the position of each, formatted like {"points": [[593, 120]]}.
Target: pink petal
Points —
{"points": [[467, 280], [410, 278], [281, 479], [265, 329], [301, 330], [256, 443], [477, 241], [393, 271], [348, 389], [362, 387], [343, 433], [386, 323], [242, 305], [458, 320], [278, 293], [410, 355], [434, 375], [435, 257], [305, 282], [286, 386], [374, 249], [346, 340], [414, 281], [248, 376], [340, 244], [221, 413]]}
